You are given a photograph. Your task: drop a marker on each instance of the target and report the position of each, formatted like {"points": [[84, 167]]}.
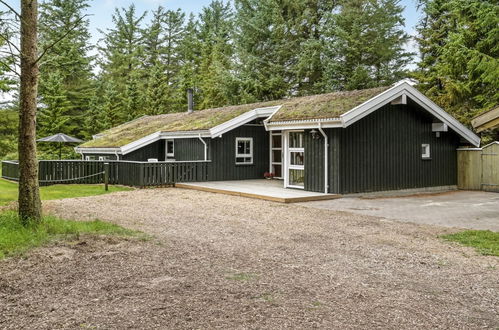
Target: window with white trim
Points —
{"points": [[244, 151], [104, 158], [170, 149], [425, 151], [90, 158]]}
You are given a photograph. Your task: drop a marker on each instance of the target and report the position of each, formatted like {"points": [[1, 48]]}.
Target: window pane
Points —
{"points": [[276, 156], [247, 145], [296, 158], [240, 147], [277, 170], [169, 147], [296, 140], [276, 141], [297, 177]]}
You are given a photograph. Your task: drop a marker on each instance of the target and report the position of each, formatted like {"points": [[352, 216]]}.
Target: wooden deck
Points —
{"points": [[271, 190]]}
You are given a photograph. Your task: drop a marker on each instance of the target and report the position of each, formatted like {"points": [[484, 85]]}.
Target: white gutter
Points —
{"points": [[205, 147], [326, 145]]}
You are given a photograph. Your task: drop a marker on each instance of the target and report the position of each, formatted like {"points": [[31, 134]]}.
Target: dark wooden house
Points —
{"points": [[376, 139]]}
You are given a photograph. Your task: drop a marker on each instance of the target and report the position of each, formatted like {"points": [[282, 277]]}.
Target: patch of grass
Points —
{"points": [[485, 242], [241, 277], [8, 191], [15, 238]]}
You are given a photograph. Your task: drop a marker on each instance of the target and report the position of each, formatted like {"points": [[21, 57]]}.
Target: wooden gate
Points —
{"points": [[478, 168], [490, 167]]}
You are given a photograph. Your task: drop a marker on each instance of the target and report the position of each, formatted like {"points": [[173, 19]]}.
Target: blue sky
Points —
{"points": [[101, 11]]}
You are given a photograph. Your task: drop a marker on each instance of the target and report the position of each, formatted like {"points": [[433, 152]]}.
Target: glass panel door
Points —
{"points": [[276, 154], [296, 160]]}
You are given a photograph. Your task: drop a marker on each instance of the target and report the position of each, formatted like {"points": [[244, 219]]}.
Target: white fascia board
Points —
{"points": [[242, 119], [373, 104], [304, 124], [400, 89], [490, 144], [98, 150], [137, 144], [185, 134]]}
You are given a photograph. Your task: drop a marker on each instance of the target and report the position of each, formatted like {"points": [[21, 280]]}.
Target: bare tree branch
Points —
{"points": [[10, 8], [9, 68], [10, 43], [46, 49]]}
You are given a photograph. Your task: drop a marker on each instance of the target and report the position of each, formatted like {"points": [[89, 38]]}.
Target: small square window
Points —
{"points": [[425, 151], [244, 151]]}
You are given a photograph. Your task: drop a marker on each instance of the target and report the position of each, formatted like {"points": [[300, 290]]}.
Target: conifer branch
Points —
{"points": [[46, 49]]}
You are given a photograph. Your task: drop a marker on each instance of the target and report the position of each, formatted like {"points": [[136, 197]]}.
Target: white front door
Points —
{"points": [[294, 160]]}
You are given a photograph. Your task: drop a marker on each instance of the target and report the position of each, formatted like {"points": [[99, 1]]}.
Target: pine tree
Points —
{"points": [[366, 45], [67, 64], [458, 43], [215, 33], [190, 58], [122, 58]]}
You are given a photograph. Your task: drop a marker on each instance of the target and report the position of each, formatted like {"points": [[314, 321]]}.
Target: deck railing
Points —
{"points": [[130, 173]]}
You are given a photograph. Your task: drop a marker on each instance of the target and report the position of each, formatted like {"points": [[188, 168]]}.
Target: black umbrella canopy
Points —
{"points": [[60, 137]]}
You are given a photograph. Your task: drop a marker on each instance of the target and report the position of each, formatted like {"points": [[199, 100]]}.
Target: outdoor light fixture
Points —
{"points": [[315, 134]]}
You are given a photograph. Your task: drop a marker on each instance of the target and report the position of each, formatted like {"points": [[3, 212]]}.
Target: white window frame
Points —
{"points": [[169, 155], [250, 155], [88, 158], [104, 158], [271, 154], [425, 151], [287, 165]]}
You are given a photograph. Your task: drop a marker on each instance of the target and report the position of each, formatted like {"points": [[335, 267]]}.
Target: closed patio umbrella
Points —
{"points": [[60, 138]]}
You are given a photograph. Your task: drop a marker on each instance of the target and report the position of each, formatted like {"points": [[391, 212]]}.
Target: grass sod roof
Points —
{"points": [[322, 106]]}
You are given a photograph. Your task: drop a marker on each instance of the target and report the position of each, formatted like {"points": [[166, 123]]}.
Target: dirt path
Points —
{"points": [[228, 262]]}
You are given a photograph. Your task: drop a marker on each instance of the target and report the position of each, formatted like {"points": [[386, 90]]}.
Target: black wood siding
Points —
{"points": [[383, 152], [190, 149], [223, 155], [153, 150], [314, 162]]}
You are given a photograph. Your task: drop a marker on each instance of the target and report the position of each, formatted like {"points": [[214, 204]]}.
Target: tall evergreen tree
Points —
{"points": [[217, 51], [66, 65], [459, 46], [366, 45], [122, 57]]}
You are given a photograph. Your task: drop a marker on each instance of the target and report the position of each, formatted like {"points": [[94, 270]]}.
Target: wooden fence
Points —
{"points": [[478, 168], [139, 174]]}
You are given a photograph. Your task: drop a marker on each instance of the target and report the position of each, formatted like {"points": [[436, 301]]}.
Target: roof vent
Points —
{"points": [[190, 100]]}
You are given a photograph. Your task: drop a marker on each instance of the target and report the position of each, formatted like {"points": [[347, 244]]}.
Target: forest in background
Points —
{"points": [[246, 51]]}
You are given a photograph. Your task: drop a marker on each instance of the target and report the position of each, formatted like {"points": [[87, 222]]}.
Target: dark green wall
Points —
{"points": [[383, 152], [190, 149], [153, 150], [314, 162], [223, 155]]}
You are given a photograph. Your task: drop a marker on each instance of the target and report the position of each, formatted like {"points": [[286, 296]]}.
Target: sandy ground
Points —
{"points": [[461, 209], [221, 261]]}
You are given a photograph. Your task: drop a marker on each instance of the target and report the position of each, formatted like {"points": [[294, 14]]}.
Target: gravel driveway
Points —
{"points": [[222, 261], [461, 209]]}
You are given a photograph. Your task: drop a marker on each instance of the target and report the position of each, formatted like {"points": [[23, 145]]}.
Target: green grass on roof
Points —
{"points": [[322, 106], [298, 108]]}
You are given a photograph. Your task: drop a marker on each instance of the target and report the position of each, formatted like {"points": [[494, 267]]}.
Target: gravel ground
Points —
{"points": [[220, 261]]}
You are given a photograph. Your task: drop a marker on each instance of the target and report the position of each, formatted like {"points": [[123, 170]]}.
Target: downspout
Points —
{"points": [[326, 185], [205, 148], [116, 154]]}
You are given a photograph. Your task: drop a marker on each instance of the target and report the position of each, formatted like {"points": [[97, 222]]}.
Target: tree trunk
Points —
{"points": [[29, 193]]}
